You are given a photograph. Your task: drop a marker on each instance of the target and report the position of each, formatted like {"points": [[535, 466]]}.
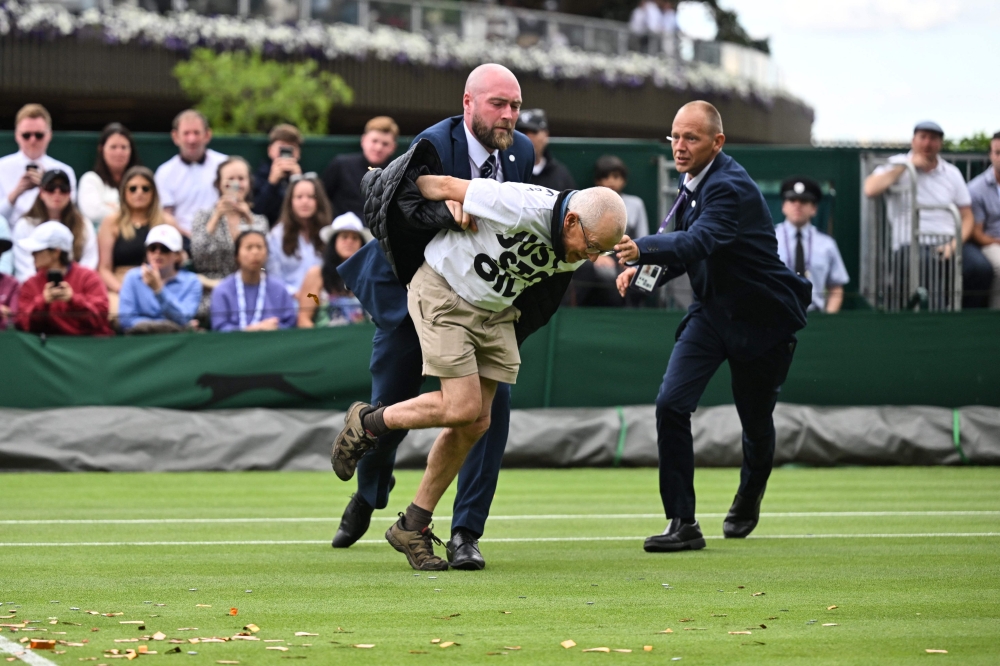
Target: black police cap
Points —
{"points": [[801, 188]]}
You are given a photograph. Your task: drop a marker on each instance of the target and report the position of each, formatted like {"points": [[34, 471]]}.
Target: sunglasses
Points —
{"points": [[135, 188], [296, 177], [27, 136], [57, 187], [157, 248]]}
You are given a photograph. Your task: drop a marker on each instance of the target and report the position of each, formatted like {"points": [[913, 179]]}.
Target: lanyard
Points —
{"points": [[791, 257], [678, 202], [242, 301]]}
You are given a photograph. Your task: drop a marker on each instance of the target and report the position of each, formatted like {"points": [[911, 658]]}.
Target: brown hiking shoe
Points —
{"points": [[352, 443], [417, 546]]}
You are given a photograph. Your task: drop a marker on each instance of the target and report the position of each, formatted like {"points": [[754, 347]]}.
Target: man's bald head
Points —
{"points": [[600, 213], [491, 103], [709, 115]]}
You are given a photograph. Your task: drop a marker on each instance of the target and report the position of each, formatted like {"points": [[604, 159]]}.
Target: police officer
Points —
{"points": [[547, 171], [808, 251]]}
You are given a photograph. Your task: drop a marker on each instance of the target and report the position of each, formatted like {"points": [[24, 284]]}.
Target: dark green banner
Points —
{"points": [[584, 358]]}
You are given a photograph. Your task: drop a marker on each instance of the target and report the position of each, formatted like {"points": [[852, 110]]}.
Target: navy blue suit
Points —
{"points": [[396, 362], [747, 307]]}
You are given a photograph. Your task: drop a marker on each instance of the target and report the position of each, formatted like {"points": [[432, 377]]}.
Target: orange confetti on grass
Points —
{"points": [[233, 611]]}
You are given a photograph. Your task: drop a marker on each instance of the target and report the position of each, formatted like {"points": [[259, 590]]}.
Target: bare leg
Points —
{"points": [[457, 404], [450, 449]]}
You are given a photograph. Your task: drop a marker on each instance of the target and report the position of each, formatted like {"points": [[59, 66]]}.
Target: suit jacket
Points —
{"points": [[368, 273], [725, 241]]}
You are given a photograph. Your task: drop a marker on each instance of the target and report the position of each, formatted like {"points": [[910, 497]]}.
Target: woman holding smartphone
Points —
{"points": [[213, 231]]}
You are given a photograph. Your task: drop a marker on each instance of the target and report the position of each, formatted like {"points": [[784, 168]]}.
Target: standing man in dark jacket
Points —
{"points": [[342, 178], [747, 307], [547, 171], [480, 143]]}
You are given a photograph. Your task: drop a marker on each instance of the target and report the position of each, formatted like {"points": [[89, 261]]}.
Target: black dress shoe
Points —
{"points": [[463, 551], [354, 523], [678, 536], [742, 518]]}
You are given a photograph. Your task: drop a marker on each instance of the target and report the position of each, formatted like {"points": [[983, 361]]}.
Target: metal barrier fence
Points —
{"points": [[909, 260]]}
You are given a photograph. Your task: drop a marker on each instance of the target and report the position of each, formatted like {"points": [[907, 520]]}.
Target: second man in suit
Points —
{"points": [[480, 143]]}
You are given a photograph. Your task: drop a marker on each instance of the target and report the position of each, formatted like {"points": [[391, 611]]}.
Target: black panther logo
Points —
{"points": [[224, 387]]}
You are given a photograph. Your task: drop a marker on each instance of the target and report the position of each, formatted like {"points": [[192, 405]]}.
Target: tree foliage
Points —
{"points": [[978, 142], [242, 93]]}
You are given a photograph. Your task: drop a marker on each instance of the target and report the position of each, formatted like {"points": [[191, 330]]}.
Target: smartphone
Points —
{"points": [[54, 277], [286, 151], [233, 188], [31, 167]]}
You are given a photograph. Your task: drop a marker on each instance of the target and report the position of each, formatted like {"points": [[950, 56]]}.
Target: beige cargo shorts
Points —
{"points": [[458, 339]]}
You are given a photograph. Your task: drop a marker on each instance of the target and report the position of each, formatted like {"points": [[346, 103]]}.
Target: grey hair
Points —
{"points": [[602, 211]]}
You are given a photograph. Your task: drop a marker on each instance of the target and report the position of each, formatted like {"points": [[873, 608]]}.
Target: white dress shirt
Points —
{"points": [[96, 199], [824, 265], [12, 167], [478, 155], [188, 187]]}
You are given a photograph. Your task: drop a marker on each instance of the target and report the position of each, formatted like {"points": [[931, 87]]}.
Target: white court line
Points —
{"points": [[71, 544], [24, 654], [552, 516]]}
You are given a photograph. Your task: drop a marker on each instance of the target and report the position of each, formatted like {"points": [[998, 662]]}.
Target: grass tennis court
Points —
{"points": [[562, 564]]}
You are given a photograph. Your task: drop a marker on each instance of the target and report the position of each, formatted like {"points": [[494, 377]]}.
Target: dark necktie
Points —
{"points": [[489, 168], [800, 255]]}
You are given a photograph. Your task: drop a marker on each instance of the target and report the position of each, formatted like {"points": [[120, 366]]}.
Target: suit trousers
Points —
{"points": [[396, 366], [697, 354]]}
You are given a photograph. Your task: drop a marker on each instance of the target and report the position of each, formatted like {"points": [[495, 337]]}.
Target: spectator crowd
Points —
{"points": [[208, 242]]}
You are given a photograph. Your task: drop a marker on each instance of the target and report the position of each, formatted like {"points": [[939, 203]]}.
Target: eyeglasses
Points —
{"points": [[57, 187], [135, 188], [157, 248], [592, 249], [27, 136], [296, 177]]}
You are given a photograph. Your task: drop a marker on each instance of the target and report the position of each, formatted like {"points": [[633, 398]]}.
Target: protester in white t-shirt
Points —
{"points": [[21, 172], [461, 303], [186, 182]]}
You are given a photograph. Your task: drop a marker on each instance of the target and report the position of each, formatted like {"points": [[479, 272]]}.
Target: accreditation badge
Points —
{"points": [[647, 276]]}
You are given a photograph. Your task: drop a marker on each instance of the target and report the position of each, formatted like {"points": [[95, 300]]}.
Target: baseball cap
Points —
{"points": [[54, 175], [801, 188], [532, 120], [346, 222], [164, 234], [51, 235], [928, 126]]}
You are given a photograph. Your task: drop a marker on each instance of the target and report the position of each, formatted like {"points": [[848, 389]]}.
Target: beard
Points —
{"points": [[498, 137]]}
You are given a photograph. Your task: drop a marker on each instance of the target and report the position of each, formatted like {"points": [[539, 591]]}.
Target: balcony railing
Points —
{"points": [[437, 19]]}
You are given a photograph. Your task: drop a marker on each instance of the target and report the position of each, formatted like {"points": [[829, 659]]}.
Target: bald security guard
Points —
{"points": [[808, 251], [746, 310]]}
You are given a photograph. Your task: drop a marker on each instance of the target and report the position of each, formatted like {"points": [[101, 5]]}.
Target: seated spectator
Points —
{"points": [[938, 183], [270, 181], [121, 238], [984, 190], [21, 172], [214, 229], [6, 258], [158, 297], [611, 172], [805, 249], [54, 203], [63, 297], [185, 180], [294, 244], [98, 196], [548, 171], [9, 287], [342, 178], [336, 304], [249, 300]]}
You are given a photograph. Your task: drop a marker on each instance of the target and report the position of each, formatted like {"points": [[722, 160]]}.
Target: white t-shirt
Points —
{"points": [[11, 169], [940, 186], [511, 250], [96, 200], [24, 263], [189, 188]]}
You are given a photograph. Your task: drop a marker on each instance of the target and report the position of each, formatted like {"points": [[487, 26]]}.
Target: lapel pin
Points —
{"points": [[693, 204], [511, 158]]}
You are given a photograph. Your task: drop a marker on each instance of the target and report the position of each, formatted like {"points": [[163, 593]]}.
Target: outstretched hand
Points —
{"points": [[624, 279], [627, 250]]}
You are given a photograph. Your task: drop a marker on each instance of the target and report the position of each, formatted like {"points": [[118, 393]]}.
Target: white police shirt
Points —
{"points": [[511, 250], [824, 265]]}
